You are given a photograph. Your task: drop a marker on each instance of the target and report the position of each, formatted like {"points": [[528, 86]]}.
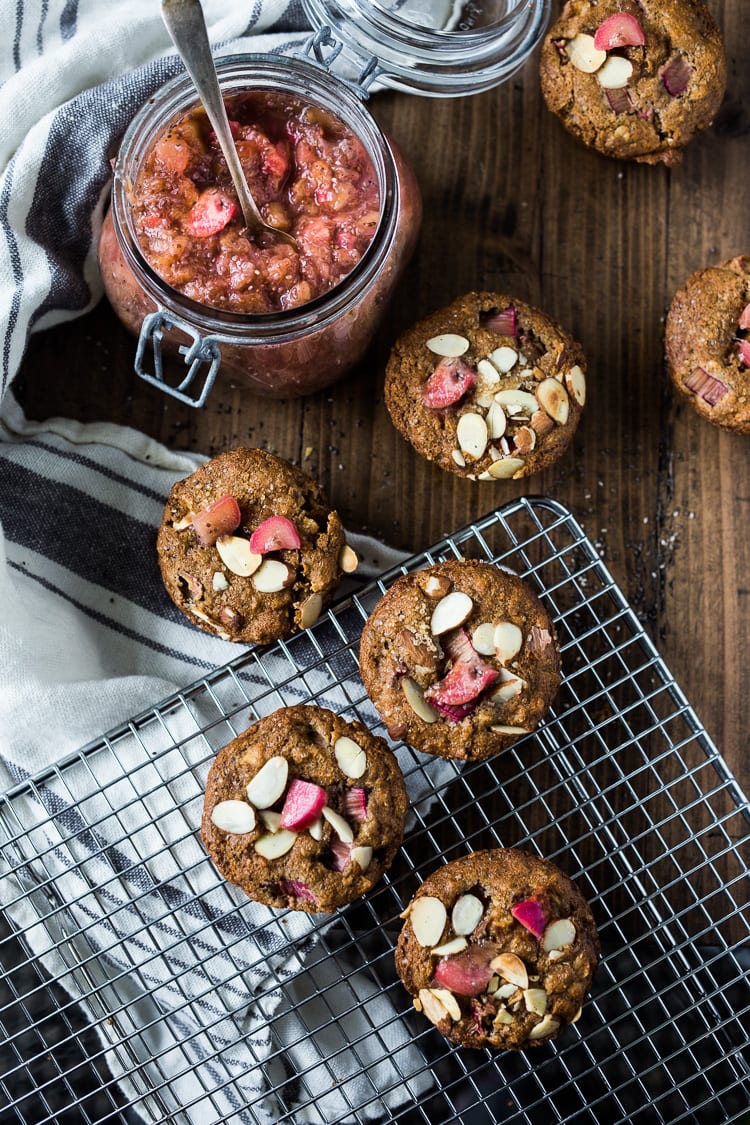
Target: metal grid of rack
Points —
{"points": [[134, 979]]}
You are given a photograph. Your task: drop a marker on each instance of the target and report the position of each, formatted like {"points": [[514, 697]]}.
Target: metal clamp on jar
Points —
{"points": [[310, 344]]}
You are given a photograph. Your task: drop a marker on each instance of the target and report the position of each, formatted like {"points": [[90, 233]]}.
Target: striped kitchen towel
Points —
{"points": [[87, 636]]}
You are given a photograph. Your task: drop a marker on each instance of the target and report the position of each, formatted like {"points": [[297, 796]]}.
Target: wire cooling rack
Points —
{"points": [[112, 1010]]}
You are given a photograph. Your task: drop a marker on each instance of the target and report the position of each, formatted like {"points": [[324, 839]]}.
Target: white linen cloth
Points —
{"points": [[88, 637]]}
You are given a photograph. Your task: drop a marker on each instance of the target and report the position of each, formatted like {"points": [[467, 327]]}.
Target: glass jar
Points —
{"points": [[302, 350]]}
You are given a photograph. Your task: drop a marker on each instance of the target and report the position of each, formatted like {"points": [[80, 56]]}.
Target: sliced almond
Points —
{"points": [[437, 585], [448, 344], [271, 820], [185, 522], [584, 55], [508, 639], [483, 639], [556, 954], [471, 431], [509, 688], [503, 1017], [362, 856], [455, 945], [316, 829], [467, 913], [493, 986], [503, 359], [554, 398], [450, 612], [459, 458], [275, 844], [516, 402], [541, 423], [513, 732], [445, 997], [615, 73], [271, 576], [508, 467], [510, 968], [416, 700], [576, 383], [348, 560], [428, 917], [341, 827], [524, 440], [431, 1005], [505, 991], [269, 783], [309, 610], [577, 1016], [559, 935], [488, 373], [496, 421], [535, 1000], [219, 582], [547, 1026], [350, 756], [214, 625], [236, 555], [236, 817]]}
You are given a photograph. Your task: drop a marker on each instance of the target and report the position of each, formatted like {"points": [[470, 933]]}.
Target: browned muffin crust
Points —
{"points": [[229, 604], [676, 85], [524, 380], [707, 343], [319, 871], [475, 689], [481, 975]]}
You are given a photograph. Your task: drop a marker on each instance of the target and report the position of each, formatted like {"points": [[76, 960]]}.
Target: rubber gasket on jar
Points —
{"points": [[460, 659], [304, 810], [498, 949], [707, 343], [635, 82], [249, 547], [488, 388]]}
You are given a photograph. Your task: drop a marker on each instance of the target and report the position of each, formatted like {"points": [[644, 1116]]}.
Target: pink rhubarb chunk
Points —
{"points": [[295, 888], [340, 855], [743, 347], [676, 75], [220, 518], [744, 321], [210, 213], [455, 714], [468, 677], [467, 973], [620, 30], [448, 384], [354, 804], [303, 805], [532, 915], [619, 100], [505, 322], [705, 386], [275, 534]]}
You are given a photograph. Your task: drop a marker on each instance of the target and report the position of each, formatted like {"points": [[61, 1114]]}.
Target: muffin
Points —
{"points": [[635, 81], [488, 388], [460, 659], [498, 949], [249, 548], [304, 810], [707, 342]]}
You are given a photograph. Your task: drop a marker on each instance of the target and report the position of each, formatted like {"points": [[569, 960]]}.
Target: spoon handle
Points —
{"points": [[187, 26]]}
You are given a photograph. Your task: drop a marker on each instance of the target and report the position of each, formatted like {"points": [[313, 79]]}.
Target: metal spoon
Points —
{"points": [[187, 26]]}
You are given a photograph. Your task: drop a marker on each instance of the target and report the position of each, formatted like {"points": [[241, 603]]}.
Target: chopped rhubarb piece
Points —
{"points": [[532, 914], [504, 323], [705, 386], [295, 888], [340, 855], [304, 803], [744, 321], [482, 1010], [210, 213], [455, 714], [559, 45], [275, 534], [467, 973], [676, 75], [619, 100], [220, 518], [354, 804], [743, 347], [468, 677], [448, 384], [620, 30]]}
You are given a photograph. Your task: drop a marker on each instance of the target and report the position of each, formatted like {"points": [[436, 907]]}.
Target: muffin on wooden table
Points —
{"points": [[635, 81]]}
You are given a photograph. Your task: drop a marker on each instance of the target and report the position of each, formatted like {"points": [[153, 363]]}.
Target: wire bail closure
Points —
{"points": [[203, 350], [324, 48]]}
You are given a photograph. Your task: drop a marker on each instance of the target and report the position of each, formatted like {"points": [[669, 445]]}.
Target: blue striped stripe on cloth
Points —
{"points": [[87, 637]]}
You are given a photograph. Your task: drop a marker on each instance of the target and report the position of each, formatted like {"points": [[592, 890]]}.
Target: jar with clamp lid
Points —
{"points": [[178, 268]]}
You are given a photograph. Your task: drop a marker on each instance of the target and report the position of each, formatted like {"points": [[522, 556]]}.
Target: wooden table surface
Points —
{"points": [[513, 204]]}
